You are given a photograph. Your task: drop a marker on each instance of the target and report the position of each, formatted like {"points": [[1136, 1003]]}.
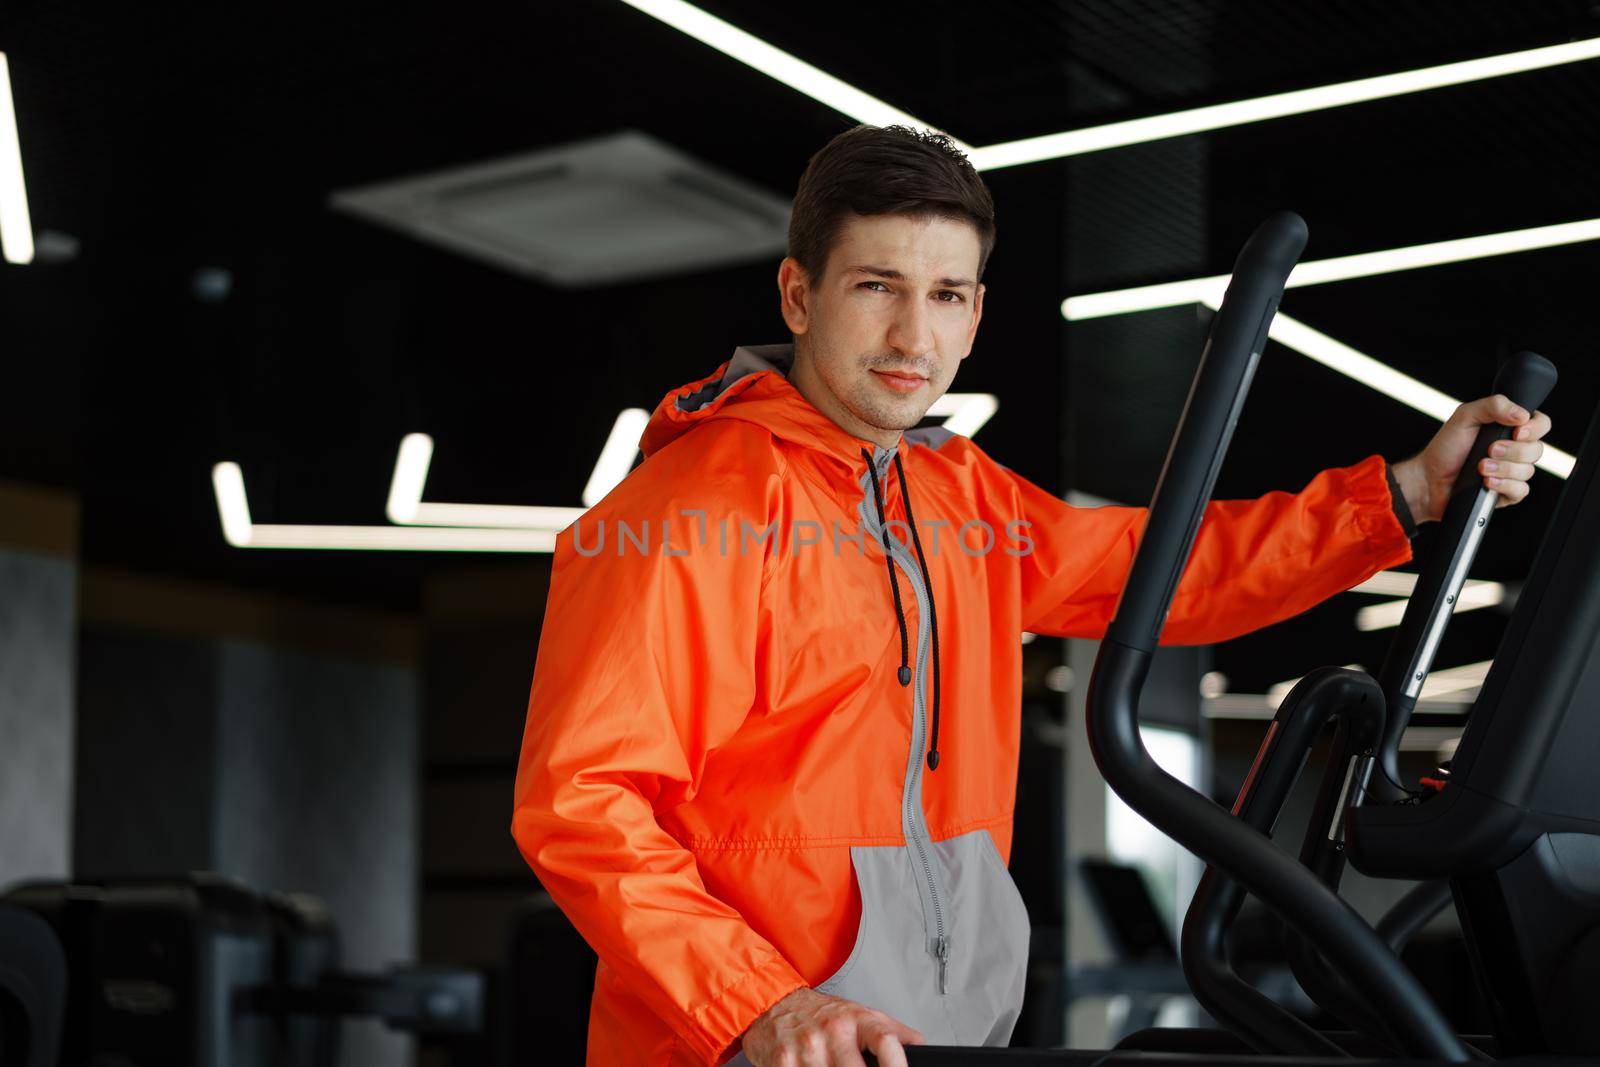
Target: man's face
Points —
{"points": [[884, 328]]}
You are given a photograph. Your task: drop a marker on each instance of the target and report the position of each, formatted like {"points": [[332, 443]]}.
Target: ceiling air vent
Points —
{"points": [[618, 208]]}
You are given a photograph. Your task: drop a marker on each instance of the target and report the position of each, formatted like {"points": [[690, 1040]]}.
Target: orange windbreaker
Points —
{"points": [[760, 753]]}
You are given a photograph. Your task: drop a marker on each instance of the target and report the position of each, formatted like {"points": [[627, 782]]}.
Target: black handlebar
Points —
{"points": [[1232, 353], [1527, 380]]}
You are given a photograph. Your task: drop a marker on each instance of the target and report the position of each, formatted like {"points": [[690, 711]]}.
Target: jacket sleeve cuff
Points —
{"points": [[722, 1020], [1370, 491], [1397, 500]]}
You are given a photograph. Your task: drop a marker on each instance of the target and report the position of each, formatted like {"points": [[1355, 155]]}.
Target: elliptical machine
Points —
{"points": [[1512, 834], [1514, 829]]}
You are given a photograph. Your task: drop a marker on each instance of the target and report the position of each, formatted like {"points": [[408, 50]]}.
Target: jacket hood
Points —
{"points": [[753, 386]]}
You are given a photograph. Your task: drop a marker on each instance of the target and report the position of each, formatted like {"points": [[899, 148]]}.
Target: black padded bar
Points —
{"points": [[1233, 349]]}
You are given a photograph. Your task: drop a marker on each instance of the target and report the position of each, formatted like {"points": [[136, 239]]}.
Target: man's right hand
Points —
{"points": [[811, 1029]]}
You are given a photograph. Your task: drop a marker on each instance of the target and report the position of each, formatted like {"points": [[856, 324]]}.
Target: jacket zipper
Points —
{"points": [[913, 818]]}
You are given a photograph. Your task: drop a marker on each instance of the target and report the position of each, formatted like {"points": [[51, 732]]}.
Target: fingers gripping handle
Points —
{"points": [[1526, 379]]}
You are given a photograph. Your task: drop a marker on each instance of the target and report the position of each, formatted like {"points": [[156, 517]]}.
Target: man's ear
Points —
{"points": [[794, 295]]}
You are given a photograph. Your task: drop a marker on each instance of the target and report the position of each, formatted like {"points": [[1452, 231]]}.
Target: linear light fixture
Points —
{"points": [[233, 506], [1455, 680], [1474, 595], [424, 526], [1395, 584], [1255, 706], [1387, 583], [1278, 105], [846, 99], [1340, 357], [964, 413], [407, 508], [617, 455], [1442, 683], [774, 62], [16, 228], [1276, 693], [1340, 268]]}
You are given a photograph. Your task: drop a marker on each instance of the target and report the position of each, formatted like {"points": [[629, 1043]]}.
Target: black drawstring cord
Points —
{"points": [[894, 585], [933, 615]]}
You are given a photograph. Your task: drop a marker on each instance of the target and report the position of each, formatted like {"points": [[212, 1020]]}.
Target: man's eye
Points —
{"points": [[873, 283], [950, 292]]}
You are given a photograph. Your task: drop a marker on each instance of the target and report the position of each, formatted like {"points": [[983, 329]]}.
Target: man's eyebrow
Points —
{"points": [[889, 272]]}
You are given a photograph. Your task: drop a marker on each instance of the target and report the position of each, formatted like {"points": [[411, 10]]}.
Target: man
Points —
{"points": [[771, 747]]}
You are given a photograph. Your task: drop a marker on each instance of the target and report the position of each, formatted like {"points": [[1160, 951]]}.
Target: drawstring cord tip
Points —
{"points": [[933, 760], [905, 675]]}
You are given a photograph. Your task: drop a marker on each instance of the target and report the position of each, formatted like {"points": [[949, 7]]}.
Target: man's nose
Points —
{"points": [[911, 332]]}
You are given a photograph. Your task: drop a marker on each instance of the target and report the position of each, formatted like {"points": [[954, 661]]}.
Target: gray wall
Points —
{"points": [[1086, 1024], [38, 622], [146, 763], [317, 788], [481, 636], [316, 792], [290, 768], [38, 612]]}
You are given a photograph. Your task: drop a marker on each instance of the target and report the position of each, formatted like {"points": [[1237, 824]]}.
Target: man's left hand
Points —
{"points": [[1426, 478]]}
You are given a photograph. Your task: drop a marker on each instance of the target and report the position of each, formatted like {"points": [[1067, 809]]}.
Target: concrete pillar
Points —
{"points": [[316, 787], [482, 634], [1086, 1024], [38, 618], [262, 738]]}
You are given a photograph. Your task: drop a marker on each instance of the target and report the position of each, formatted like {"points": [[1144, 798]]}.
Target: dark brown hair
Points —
{"points": [[885, 170]]}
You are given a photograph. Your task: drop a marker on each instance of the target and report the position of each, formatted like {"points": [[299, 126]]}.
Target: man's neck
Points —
{"points": [[803, 376]]}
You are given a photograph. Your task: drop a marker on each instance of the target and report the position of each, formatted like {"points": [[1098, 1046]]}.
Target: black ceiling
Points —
{"points": [[169, 138]]}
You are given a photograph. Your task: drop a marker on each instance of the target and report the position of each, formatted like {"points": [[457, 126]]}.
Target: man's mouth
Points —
{"points": [[901, 381]]}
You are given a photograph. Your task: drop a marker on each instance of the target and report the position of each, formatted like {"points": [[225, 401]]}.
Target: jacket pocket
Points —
{"points": [[836, 981], [990, 934], [890, 968], [1019, 925]]}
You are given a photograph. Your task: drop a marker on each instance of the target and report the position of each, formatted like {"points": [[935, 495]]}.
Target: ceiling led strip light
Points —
{"points": [[963, 413], [425, 526], [846, 99], [16, 228], [1342, 268], [234, 509], [1335, 355], [825, 88]]}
